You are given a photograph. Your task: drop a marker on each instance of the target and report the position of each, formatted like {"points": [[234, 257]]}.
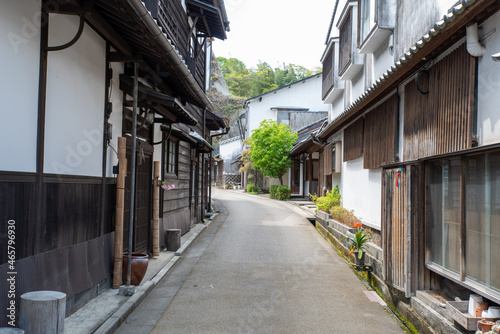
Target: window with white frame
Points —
{"points": [[365, 14]]}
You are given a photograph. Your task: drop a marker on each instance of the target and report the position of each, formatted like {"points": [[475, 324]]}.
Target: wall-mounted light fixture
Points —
{"points": [[496, 57]]}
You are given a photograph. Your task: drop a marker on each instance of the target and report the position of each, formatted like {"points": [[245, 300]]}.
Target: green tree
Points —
{"points": [[270, 146], [247, 82], [262, 80], [238, 77]]}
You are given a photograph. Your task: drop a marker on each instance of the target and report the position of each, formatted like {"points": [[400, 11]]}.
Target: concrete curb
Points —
{"points": [[142, 292]]}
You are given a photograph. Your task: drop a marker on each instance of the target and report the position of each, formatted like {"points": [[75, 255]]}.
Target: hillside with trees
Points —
{"points": [[233, 82], [247, 82]]}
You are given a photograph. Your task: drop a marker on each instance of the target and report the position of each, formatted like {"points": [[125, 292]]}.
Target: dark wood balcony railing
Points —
{"points": [[345, 43], [328, 71], [172, 17]]}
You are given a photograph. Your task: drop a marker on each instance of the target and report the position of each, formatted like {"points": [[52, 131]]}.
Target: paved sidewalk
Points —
{"points": [[104, 313]]}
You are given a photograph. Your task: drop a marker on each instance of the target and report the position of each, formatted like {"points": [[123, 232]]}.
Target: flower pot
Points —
{"points": [[480, 307], [359, 262], [485, 325], [138, 268]]}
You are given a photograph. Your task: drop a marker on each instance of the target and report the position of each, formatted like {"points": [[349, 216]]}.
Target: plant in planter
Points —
{"points": [[331, 199], [358, 244]]}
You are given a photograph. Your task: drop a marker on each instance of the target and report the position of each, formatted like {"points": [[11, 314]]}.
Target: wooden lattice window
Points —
{"points": [[345, 43], [171, 156], [328, 71]]}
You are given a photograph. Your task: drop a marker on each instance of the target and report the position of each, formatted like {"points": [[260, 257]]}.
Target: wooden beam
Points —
{"points": [[69, 9], [166, 113], [206, 24], [119, 57], [109, 33]]}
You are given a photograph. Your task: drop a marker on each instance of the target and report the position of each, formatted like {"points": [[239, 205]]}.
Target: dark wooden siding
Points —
{"points": [[321, 173], [345, 42], [69, 247], [71, 213], [328, 71], [353, 140], [380, 134], [441, 121], [176, 201]]}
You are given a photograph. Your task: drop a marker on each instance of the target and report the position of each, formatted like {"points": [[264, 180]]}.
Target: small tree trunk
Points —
{"points": [[281, 180]]}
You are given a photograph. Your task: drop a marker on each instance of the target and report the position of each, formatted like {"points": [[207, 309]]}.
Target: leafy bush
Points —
{"points": [[344, 216], [252, 189], [331, 199], [273, 191], [279, 192], [283, 193]]}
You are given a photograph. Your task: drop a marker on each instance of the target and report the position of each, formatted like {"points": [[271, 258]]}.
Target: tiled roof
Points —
{"points": [[229, 140]]}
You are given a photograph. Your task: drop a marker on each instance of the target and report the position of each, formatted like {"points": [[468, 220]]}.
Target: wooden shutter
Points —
{"points": [[327, 153], [441, 120], [380, 134], [345, 42], [353, 140]]}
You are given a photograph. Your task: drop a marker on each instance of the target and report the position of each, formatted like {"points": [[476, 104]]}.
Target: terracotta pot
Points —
{"points": [[359, 262], [485, 325], [138, 268], [480, 307]]}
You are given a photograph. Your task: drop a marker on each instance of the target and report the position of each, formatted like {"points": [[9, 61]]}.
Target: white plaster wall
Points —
{"points": [[75, 100], [361, 191], [489, 84], [157, 149], [358, 85], [228, 149], [382, 58], [20, 55], [115, 119], [304, 95], [337, 107]]}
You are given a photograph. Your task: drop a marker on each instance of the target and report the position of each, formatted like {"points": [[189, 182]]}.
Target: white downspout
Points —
{"points": [[474, 48]]}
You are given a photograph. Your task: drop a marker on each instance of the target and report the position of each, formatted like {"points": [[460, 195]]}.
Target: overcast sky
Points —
{"points": [[276, 31]]}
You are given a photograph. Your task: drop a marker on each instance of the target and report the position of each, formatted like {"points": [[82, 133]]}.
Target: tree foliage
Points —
{"points": [[270, 146], [247, 82]]}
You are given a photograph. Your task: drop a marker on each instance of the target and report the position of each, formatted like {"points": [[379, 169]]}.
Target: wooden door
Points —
{"points": [[394, 227], [295, 177], [143, 198]]}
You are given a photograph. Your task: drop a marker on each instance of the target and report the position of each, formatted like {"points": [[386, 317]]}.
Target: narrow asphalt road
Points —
{"points": [[261, 268]]}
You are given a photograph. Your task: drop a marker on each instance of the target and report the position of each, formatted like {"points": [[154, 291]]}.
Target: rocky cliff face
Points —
{"points": [[222, 99]]}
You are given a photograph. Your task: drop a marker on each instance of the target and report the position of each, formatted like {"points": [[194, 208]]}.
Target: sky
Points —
{"points": [[276, 32]]}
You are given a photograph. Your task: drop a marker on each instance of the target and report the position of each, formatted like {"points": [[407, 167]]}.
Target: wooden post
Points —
{"points": [[120, 200], [156, 209], [42, 312]]}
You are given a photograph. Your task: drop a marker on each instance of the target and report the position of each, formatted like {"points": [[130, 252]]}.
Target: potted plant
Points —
{"points": [[358, 244]]}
